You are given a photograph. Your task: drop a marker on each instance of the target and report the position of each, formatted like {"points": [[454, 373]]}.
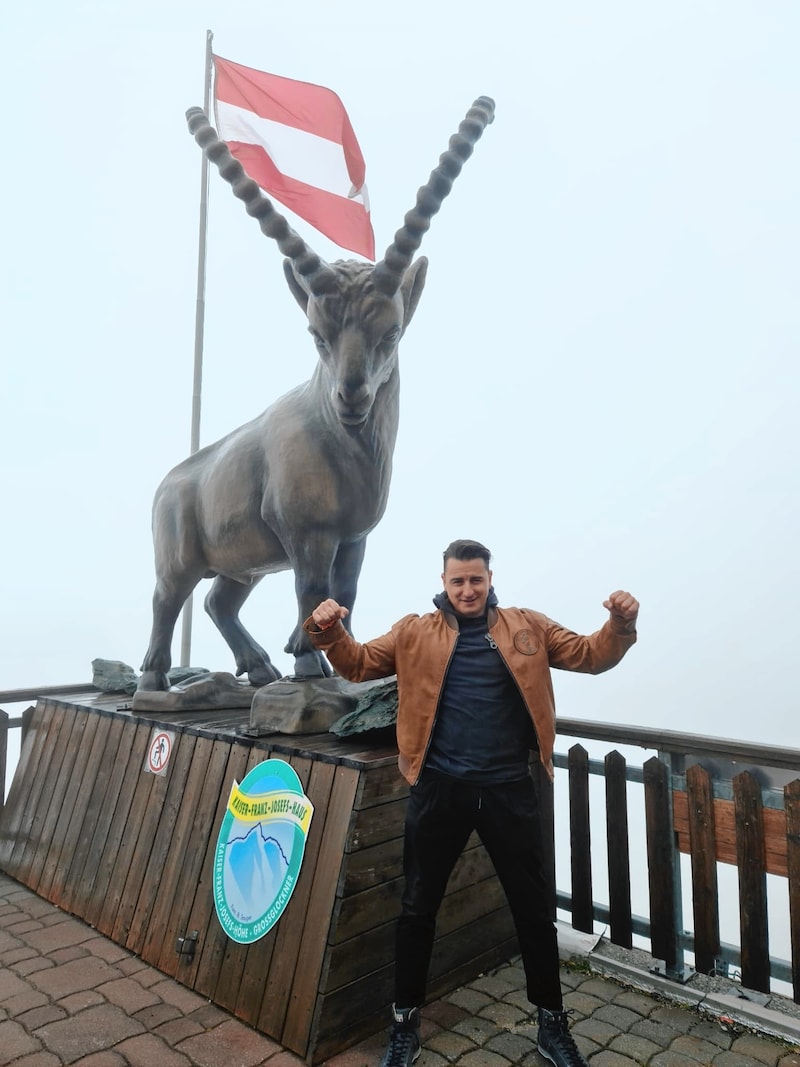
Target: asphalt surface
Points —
{"points": [[68, 995]]}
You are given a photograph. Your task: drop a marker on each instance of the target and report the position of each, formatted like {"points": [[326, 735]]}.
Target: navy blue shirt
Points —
{"points": [[482, 732]]}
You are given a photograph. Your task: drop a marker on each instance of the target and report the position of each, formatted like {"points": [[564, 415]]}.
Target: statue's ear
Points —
{"points": [[298, 291], [411, 288]]}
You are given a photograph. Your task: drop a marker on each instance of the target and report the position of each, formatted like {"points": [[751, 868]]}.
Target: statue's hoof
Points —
{"points": [[311, 665], [263, 675], [153, 682]]}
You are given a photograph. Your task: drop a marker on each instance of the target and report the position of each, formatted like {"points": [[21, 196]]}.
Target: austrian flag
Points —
{"points": [[295, 140]]}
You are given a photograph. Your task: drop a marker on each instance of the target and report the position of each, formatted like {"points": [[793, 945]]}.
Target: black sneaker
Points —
{"points": [[555, 1041], [404, 1045]]}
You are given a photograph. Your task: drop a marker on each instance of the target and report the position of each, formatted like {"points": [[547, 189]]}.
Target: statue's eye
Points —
{"points": [[319, 340], [391, 336]]}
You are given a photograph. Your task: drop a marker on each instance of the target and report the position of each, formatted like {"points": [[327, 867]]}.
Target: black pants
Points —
{"points": [[442, 813]]}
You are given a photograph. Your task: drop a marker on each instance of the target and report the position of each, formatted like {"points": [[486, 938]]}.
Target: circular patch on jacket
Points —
{"points": [[525, 643]]}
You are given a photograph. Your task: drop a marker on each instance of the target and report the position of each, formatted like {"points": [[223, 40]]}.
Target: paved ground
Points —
{"points": [[68, 995]]}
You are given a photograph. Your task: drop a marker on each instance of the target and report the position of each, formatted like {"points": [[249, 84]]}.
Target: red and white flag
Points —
{"points": [[295, 140]]}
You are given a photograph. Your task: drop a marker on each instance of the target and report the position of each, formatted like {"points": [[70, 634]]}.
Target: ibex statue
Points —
{"points": [[303, 484]]}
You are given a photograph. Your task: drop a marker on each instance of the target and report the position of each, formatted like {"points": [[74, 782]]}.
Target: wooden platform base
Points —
{"points": [[131, 853]]}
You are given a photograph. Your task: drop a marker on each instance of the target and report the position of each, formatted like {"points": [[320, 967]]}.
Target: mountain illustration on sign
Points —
{"points": [[257, 864]]}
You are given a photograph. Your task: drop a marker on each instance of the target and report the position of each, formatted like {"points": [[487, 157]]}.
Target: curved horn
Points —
{"points": [[388, 274], [307, 264]]}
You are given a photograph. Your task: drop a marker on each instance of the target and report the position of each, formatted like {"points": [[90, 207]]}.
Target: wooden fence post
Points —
{"points": [[660, 863], [618, 849], [580, 839], [703, 850], [791, 796], [751, 864]]}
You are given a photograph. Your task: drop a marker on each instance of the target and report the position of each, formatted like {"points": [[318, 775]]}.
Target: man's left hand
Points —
{"points": [[623, 605]]}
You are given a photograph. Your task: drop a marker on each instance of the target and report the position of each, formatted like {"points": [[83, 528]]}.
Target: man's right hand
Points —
{"points": [[327, 613]]}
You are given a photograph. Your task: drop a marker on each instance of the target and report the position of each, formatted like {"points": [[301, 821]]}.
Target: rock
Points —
{"points": [[112, 676], [306, 705], [376, 709], [215, 690]]}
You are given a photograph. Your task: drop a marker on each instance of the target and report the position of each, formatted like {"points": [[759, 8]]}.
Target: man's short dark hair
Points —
{"points": [[464, 549]]}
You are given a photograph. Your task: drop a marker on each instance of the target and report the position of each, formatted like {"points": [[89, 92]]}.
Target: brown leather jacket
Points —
{"points": [[418, 649]]}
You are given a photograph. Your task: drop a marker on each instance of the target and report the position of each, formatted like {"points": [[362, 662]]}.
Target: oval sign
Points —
{"points": [[259, 850]]}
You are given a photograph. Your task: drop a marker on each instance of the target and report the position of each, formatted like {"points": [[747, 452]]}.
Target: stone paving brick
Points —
{"points": [[469, 999], [145, 975], [25, 1001], [659, 1033], [596, 1030], [103, 1059], [444, 1013], [494, 985], [107, 950], [15, 1041], [481, 1058], [227, 1045], [73, 977], [695, 1047], [502, 1014], [609, 1058], [674, 1059], [156, 1015], [66, 955], [37, 1059], [93, 1030], [16, 955], [147, 1050], [208, 1016], [176, 1030], [639, 1049], [732, 1059], [31, 966], [512, 1046], [711, 1031], [186, 1000], [59, 935], [23, 926], [36, 1017], [616, 1015], [449, 1045], [582, 1002], [791, 1059], [128, 994], [132, 964], [476, 1029], [75, 1002], [757, 1048], [672, 1015], [12, 986], [634, 1001]]}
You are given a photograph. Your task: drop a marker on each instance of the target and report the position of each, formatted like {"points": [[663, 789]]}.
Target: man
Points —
{"points": [[475, 706]]}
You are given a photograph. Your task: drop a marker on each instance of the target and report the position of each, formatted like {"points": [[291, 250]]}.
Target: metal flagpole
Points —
{"points": [[199, 322]]}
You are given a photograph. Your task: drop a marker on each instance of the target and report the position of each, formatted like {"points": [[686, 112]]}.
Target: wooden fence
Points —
{"points": [[717, 801]]}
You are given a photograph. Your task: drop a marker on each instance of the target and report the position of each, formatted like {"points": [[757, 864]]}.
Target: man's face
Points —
{"points": [[467, 582]]}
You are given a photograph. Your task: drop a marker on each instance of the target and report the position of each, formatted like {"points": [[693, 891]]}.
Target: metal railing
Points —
{"points": [[715, 800]]}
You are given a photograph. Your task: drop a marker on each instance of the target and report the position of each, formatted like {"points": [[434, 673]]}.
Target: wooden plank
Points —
{"points": [[371, 866], [703, 849], [101, 862], [380, 823], [138, 785], [195, 848], [158, 928], [661, 878], [85, 778], [69, 740], [43, 778], [617, 850], [381, 786], [299, 1016], [750, 855], [234, 956], [79, 878], [580, 839], [725, 830], [202, 973], [791, 797], [16, 817]]}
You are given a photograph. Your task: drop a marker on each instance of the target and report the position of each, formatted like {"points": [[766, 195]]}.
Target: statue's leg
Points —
{"points": [[346, 569], [312, 583], [168, 599], [223, 603]]}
